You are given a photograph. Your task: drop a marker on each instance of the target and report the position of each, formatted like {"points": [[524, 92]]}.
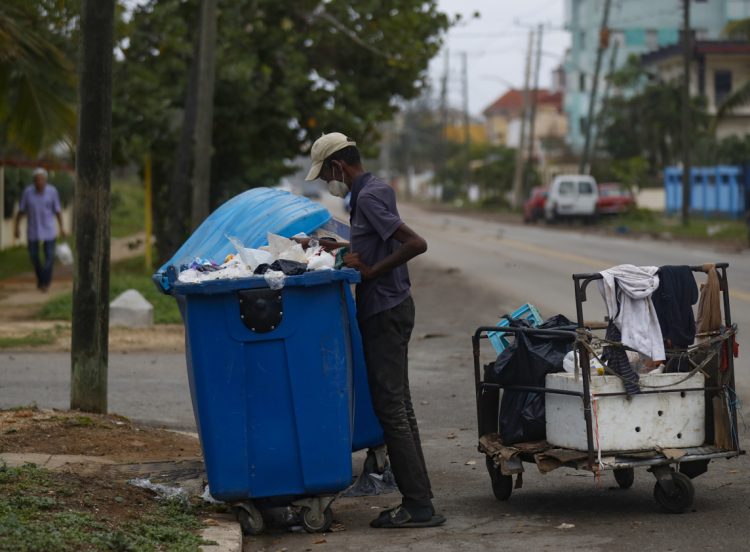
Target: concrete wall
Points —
{"points": [[653, 199]]}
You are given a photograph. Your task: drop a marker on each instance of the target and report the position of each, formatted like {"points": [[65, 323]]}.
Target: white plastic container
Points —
{"points": [[645, 421]]}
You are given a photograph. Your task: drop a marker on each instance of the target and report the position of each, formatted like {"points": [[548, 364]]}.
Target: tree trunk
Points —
{"points": [[88, 388], [204, 117], [190, 184]]}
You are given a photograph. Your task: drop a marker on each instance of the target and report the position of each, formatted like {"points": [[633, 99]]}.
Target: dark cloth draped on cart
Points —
{"points": [[617, 361], [526, 362], [673, 301]]}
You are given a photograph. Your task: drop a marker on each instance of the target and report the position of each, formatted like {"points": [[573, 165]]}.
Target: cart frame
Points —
{"points": [[487, 396]]}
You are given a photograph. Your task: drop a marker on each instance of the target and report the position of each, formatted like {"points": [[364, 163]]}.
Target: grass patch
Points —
{"points": [[14, 261], [47, 511], [124, 275], [127, 201], [35, 338], [648, 222]]}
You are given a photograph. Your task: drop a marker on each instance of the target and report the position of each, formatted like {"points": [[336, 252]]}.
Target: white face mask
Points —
{"points": [[337, 188]]}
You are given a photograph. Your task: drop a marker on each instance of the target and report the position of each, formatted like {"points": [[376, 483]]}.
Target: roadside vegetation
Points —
{"points": [[124, 275], [42, 510]]}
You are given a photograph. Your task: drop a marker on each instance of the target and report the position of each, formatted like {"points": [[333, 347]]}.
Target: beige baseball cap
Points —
{"points": [[324, 147]]}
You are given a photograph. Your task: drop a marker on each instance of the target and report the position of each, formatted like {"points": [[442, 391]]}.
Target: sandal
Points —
{"points": [[400, 518]]}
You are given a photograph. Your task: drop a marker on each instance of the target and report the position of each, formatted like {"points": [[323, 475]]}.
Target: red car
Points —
{"points": [[533, 209], [614, 199]]}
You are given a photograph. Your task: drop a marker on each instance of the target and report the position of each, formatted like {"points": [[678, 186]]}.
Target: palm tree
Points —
{"points": [[37, 83], [739, 29]]}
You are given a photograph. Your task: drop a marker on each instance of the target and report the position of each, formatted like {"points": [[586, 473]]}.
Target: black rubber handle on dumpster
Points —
{"points": [[261, 310]]}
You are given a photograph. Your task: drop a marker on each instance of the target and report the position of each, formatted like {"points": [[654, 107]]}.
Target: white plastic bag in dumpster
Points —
{"points": [[275, 279], [251, 257], [64, 254], [285, 249], [322, 261]]}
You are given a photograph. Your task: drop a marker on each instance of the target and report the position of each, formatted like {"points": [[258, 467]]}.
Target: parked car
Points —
{"points": [[533, 209], [614, 199], [571, 195]]}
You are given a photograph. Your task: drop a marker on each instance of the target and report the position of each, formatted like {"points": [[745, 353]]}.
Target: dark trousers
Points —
{"points": [[43, 269], [385, 337]]}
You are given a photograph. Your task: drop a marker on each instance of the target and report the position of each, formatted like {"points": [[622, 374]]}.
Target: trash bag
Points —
{"points": [[522, 417], [526, 362], [289, 268]]}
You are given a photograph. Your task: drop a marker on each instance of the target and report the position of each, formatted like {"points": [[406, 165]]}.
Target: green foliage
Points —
{"points": [[124, 275], [34, 339], [15, 181], [647, 124], [64, 181], [37, 79], [35, 516], [491, 169], [127, 200], [286, 72], [14, 261], [630, 172]]}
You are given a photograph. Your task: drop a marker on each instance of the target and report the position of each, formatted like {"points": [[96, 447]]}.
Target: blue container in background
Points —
{"points": [[718, 190], [271, 375]]}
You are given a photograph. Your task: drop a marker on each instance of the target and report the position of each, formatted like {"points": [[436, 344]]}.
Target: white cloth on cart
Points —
{"points": [[627, 291]]}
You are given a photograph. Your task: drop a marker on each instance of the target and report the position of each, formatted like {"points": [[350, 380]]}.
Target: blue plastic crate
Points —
{"points": [[525, 312]]}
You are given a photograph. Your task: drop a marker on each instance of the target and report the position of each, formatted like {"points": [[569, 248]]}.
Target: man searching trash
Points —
{"points": [[381, 245]]}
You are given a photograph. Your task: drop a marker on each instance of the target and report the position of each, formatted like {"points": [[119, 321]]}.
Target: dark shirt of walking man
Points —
{"points": [[381, 245], [40, 203]]}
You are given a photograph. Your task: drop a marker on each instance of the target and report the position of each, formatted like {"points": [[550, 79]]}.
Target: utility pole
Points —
{"points": [[584, 167], [518, 169], [442, 149], [89, 345], [687, 51], [467, 128], [605, 100], [205, 113], [534, 102]]}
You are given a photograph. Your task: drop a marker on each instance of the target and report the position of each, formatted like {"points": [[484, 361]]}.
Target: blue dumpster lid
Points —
{"points": [[308, 279], [249, 217]]}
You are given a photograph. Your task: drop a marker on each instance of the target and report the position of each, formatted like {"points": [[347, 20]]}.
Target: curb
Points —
{"points": [[225, 532]]}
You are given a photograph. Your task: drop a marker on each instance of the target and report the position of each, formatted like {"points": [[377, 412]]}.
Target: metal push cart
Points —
{"points": [[673, 468]]}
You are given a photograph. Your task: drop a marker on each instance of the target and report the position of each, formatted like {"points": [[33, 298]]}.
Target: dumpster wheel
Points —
{"points": [[679, 498], [250, 518], [314, 522]]}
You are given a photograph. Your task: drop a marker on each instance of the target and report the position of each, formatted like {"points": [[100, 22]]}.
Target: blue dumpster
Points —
{"points": [[270, 376], [277, 378]]}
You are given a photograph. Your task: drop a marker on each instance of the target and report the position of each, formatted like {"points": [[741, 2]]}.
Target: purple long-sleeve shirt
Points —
{"points": [[40, 209], [374, 220]]}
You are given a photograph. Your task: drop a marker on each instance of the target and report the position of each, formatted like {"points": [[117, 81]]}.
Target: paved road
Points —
{"points": [[499, 266], [535, 264]]}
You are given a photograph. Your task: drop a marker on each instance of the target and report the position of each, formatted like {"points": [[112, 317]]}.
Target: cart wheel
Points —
{"points": [[502, 485], [625, 477], [316, 524], [250, 519], [681, 498]]}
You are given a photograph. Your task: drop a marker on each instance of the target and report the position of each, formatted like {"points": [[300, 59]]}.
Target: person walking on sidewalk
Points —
{"points": [[40, 203], [381, 245]]}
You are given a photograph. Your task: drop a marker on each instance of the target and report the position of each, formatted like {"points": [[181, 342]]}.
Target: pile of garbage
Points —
{"points": [[282, 257]]}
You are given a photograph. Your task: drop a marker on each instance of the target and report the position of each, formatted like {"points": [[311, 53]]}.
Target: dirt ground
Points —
{"points": [[116, 437]]}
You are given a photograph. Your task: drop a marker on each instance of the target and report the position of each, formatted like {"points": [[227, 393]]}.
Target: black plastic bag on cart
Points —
{"points": [[526, 362]]}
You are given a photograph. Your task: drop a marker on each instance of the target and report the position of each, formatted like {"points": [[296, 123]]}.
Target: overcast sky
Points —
{"points": [[496, 46]]}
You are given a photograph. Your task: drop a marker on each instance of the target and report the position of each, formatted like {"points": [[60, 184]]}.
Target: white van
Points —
{"points": [[571, 195]]}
